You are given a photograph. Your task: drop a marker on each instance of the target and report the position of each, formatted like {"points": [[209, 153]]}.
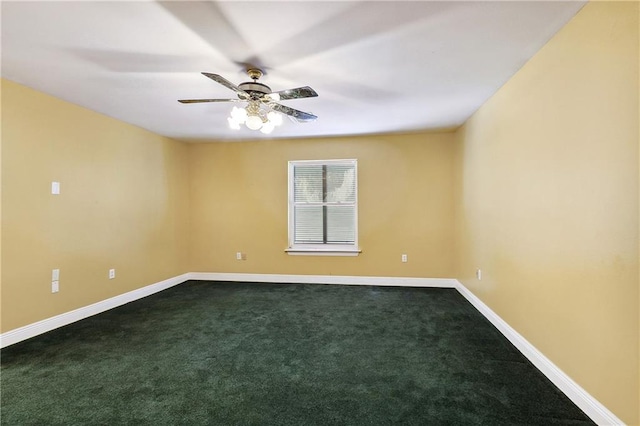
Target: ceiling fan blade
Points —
{"points": [[195, 101], [226, 83], [298, 115], [297, 93]]}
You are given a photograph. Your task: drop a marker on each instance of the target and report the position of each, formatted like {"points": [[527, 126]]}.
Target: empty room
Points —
{"points": [[320, 213]]}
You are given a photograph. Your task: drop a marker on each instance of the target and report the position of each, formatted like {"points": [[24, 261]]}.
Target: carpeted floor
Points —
{"points": [[280, 354]]}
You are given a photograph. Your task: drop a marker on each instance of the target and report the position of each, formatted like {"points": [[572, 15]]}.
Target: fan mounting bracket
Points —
{"points": [[255, 73]]}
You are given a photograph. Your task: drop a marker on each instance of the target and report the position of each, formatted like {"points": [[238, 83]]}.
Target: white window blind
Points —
{"points": [[323, 205]]}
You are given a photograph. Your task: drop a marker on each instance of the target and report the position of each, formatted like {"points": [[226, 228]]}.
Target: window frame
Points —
{"points": [[319, 249]]}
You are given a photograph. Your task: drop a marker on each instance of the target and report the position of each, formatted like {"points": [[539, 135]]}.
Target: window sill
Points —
{"points": [[323, 251]]}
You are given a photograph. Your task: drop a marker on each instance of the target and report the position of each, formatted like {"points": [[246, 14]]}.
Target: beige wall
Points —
{"points": [[0, 211], [238, 198], [125, 204], [547, 203], [122, 205]]}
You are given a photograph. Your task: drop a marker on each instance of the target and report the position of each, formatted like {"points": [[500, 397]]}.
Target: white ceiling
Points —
{"points": [[377, 66]]}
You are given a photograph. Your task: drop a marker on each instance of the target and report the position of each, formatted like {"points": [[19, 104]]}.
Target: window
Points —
{"points": [[323, 207]]}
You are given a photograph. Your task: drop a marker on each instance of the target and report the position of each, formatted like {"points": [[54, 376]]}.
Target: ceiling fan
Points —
{"points": [[262, 103]]}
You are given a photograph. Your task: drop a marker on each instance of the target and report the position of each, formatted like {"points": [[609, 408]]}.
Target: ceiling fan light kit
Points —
{"points": [[255, 117], [263, 112]]}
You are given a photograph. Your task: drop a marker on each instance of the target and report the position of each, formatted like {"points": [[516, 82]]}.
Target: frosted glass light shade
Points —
{"points": [[233, 123], [275, 118], [254, 122], [239, 114], [267, 127]]}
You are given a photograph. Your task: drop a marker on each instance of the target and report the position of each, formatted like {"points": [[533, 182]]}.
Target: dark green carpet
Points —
{"points": [[280, 354]]}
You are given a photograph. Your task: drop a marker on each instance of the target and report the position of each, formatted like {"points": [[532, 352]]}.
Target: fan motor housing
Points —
{"points": [[255, 89]]}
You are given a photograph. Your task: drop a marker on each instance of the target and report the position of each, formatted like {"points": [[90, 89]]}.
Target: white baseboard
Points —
{"points": [[594, 409], [325, 279], [32, 330], [587, 403]]}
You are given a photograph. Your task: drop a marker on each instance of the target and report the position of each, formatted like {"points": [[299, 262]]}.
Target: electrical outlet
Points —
{"points": [[55, 188], [238, 256], [404, 258], [55, 286], [479, 274], [112, 274]]}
